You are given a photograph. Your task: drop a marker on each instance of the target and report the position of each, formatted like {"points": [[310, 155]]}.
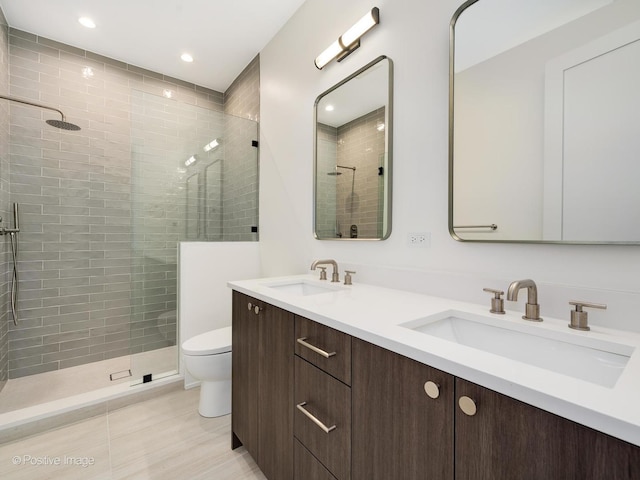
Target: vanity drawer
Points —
{"points": [[327, 403], [307, 466], [324, 347]]}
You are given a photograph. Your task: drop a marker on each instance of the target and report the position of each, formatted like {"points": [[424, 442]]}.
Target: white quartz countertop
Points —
{"points": [[375, 314]]}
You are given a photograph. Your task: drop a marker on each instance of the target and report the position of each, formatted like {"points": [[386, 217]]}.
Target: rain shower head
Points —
{"points": [[62, 124], [335, 171]]}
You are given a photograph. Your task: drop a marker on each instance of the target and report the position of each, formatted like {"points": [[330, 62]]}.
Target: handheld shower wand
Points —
{"points": [[16, 218], [13, 237]]}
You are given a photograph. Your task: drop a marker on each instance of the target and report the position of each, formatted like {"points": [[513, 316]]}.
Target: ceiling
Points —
{"points": [[223, 36], [527, 20]]}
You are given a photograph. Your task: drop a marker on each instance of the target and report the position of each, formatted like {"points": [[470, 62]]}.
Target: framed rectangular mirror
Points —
{"points": [[544, 135], [353, 156]]}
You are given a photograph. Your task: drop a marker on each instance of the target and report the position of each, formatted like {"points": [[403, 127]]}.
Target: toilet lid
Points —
{"points": [[209, 343]]}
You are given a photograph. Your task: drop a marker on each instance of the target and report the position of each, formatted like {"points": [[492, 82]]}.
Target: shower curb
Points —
{"points": [[52, 415]]}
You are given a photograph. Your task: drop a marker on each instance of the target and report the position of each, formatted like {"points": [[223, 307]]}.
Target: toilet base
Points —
{"points": [[215, 399]]}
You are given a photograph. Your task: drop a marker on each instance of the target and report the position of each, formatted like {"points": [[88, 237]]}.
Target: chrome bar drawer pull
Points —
{"points": [[324, 428], [302, 342]]}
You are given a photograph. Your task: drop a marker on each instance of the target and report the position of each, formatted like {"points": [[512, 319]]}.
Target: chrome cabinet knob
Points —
{"points": [[255, 308], [467, 405], [432, 389]]}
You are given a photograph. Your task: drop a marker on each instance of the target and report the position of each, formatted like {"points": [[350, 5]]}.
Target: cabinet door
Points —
{"points": [[244, 379], [275, 387], [508, 439], [399, 432]]}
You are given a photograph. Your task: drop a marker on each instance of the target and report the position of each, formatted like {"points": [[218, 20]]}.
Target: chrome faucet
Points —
{"points": [[532, 309], [335, 277]]}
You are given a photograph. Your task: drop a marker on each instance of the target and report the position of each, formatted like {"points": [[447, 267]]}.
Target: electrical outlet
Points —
{"points": [[422, 240]]}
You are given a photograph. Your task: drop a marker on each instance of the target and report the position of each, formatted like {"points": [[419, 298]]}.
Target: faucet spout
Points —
{"points": [[532, 309], [335, 277]]}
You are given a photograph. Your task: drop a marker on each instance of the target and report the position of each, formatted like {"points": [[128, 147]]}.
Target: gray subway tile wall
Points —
{"points": [[327, 225], [359, 192], [5, 256], [99, 216], [354, 197]]}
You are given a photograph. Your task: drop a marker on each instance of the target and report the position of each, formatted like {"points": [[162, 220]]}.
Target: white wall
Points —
{"points": [[204, 300], [414, 33]]}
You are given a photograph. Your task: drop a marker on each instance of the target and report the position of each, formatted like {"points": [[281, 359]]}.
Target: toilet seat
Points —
{"points": [[209, 343]]}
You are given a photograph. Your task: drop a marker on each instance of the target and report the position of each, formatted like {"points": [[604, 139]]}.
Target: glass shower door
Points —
{"points": [[197, 181]]}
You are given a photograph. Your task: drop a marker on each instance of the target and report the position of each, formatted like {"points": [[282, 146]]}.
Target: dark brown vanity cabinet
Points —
{"points": [[390, 417], [399, 431], [507, 439], [262, 384]]}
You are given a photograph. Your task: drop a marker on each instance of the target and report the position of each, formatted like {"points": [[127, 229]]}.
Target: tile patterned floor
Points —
{"points": [[161, 438]]}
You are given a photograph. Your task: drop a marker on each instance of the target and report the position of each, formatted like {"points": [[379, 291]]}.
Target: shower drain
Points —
{"points": [[119, 375]]}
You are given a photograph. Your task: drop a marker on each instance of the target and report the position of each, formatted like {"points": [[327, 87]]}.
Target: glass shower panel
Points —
{"points": [[327, 222], [194, 178], [213, 200], [192, 208], [167, 152], [240, 180]]}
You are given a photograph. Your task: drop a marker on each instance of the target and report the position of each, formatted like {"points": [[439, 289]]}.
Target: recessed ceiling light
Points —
{"points": [[87, 22], [329, 108], [186, 57]]}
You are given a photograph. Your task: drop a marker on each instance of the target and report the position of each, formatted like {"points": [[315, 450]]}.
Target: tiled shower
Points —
{"points": [[102, 209], [354, 198]]}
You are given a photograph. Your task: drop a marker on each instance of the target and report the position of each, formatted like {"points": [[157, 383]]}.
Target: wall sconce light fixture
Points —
{"points": [[349, 40]]}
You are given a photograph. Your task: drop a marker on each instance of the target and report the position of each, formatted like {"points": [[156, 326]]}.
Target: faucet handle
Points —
{"points": [[497, 303], [579, 318], [347, 277], [323, 273]]}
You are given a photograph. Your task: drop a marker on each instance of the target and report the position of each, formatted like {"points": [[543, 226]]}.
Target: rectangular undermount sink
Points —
{"points": [[596, 361], [303, 287]]}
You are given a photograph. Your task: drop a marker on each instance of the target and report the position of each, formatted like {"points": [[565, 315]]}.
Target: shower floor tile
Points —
{"points": [[46, 387]]}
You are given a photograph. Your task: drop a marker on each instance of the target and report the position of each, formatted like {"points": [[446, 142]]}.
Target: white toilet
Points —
{"points": [[207, 357]]}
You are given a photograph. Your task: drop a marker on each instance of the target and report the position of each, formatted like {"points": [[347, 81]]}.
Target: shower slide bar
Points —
{"points": [[13, 234]]}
